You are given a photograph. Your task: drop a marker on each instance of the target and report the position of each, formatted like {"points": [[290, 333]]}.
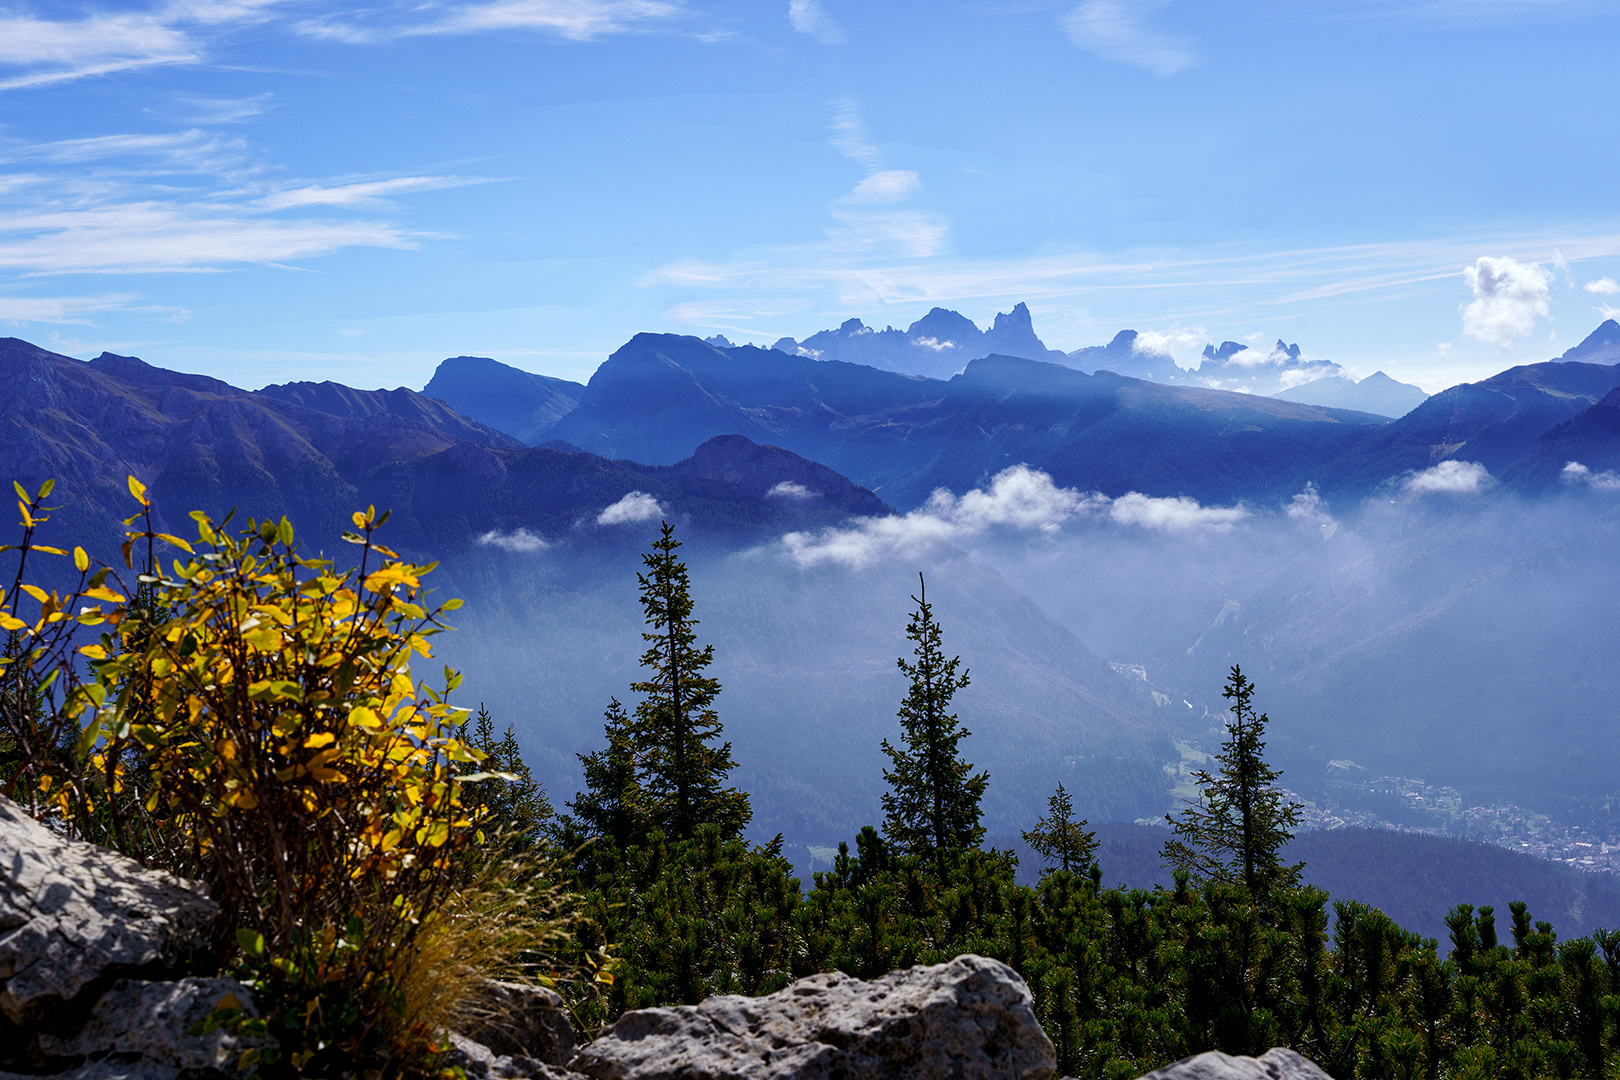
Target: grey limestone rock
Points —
{"points": [[1275, 1064], [154, 1020], [969, 1019], [518, 1020], [479, 1062], [72, 914], [106, 1069]]}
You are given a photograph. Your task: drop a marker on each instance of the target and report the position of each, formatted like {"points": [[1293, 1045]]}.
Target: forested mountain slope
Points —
{"points": [[314, 452]]}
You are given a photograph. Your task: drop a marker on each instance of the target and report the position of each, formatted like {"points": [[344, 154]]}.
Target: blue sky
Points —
{"points": [[268, 190]]}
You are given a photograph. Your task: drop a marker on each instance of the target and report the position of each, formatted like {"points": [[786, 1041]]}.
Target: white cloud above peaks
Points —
{"points": [[1508, 298], [1604, 286], [1114, 30]]}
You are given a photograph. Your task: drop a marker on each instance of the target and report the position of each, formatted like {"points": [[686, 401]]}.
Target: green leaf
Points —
{"points": [[251, 941]]}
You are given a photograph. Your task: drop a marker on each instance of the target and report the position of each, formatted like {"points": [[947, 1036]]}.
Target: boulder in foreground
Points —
{"points": [[74, 915], [1275, 1064], [969, 1019]]}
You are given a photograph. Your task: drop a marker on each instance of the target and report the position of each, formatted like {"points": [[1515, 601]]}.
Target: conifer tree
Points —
{"points": [[612, 807], [1061, 839], [676, 727], [1236, 831], [518, 808], [932, 805]]}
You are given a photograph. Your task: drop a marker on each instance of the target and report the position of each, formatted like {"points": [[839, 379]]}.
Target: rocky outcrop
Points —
{"points": [[969, 1019], [1276, 1064], [73, 916], [518, 1020], [155, 1020]]}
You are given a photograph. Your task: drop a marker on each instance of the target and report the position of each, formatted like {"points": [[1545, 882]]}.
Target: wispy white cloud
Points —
{"points": [[635, 506], [1114, 30], [1019, 498], [1508, 298], [59, 309], [519, 541], [887, 185], [1448, 478], [849, 135], [366, 193], [576, 20], [49, 51], [789, 489], [149, 237], [185, 200], [1604, 286], [809, 17]]}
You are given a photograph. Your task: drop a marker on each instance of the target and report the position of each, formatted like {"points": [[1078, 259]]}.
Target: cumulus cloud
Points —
{"points": [[1508, 298], [634, 507], [787, 489], [520, 541], [1018, 498], [1113, 30], [1578, 475], [1448, 478], [1604, 285], [1180, 344], [1179, 514], [808, 17]]}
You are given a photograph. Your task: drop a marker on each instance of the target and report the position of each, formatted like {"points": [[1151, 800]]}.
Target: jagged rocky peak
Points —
{"points": [[942, 328], [939, 344]]}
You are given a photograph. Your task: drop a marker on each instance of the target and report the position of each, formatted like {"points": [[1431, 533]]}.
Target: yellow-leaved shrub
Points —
{"points": [[249, 717]]}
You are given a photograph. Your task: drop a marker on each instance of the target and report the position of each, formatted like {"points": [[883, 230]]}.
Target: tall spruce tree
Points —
{"points": [[1059, 838], [932, 805], [676, 728], [612, 807], [1236, 831]]}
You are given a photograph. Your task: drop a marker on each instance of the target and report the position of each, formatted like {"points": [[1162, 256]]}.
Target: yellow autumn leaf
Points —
{"points": [[36, 592], [389, 576], [138, 489], [319, 739], [81, 560]]}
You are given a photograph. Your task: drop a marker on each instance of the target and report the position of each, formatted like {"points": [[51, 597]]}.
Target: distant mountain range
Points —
{"points": [[903, 436], [943, 342], [1377, 393], [938, 345], [660, 395]]}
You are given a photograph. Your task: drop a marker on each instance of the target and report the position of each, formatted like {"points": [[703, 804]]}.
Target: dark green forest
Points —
{"points": [[1235, 953]]}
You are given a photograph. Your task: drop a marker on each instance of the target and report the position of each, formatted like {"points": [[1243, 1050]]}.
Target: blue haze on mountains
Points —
{"points": [[1427, 597]]}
